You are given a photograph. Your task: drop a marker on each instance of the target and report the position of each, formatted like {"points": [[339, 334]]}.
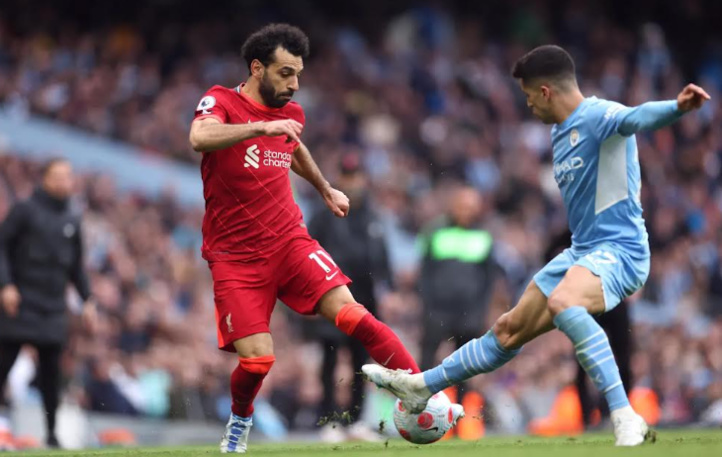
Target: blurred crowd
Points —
{"points": [[425, 97]]}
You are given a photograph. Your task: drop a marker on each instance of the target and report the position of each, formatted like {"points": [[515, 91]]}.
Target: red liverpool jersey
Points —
{"points": [[249, 202]]}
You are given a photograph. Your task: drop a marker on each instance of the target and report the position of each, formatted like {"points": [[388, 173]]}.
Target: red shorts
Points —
{"points": [[245, 292]]}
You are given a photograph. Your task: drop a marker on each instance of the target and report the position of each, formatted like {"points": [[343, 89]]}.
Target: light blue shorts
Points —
{"points": [[623, 270]]}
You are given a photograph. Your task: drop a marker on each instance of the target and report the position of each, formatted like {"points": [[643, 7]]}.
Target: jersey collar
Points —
{"points": [[255, 104], [574, 113]]}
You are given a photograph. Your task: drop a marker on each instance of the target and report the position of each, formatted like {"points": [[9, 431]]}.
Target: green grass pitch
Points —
{"points": [[687, 443]]}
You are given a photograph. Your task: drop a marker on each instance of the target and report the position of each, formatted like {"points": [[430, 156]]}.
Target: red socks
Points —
{"points": [[380, 341], [246, 381]]}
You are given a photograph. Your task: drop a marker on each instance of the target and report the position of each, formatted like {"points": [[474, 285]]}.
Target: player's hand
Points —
{"points": [[336, 201], [90, 316], [691, 97], [10, 299], [292, 129]]}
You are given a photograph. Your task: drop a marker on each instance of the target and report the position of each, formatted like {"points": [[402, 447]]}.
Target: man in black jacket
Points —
{"points": [[357, 245], [40, 253]]}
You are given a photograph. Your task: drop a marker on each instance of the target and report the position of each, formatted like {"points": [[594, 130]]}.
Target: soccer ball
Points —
{"points": [[428, 426]]}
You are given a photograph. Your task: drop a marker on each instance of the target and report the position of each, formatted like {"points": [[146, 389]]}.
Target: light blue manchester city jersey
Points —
{"points": [[597, 170]]}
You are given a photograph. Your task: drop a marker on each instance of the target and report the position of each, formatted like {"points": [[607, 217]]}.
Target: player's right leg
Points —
{"points": [[255, 359], [528, 319], [244, 295]]}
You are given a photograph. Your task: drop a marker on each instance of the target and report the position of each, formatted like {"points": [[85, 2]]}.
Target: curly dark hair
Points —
{"points": [[547, 61], [263, 43]]}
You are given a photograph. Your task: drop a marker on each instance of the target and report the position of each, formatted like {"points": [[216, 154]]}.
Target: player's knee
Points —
{"points": [[559, 300], [257, 365], [350, 316], [507, 330], [257, 345], [333, 302]]}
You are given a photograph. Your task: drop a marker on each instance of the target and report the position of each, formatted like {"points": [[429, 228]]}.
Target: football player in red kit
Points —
{"points": [[254, 238]]}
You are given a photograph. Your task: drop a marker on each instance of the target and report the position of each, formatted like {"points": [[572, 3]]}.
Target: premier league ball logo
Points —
{"points": [[206, 103]]}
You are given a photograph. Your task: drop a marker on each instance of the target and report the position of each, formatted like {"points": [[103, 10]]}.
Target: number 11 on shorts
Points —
{"points": [[321, 263]]}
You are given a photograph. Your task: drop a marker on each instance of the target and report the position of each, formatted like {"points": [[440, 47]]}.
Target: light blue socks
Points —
{"points": [[594, 353], [481, 355], [485, 354]]}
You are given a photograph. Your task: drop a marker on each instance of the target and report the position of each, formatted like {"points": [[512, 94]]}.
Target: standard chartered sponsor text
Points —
{"points": [[277, 159]]}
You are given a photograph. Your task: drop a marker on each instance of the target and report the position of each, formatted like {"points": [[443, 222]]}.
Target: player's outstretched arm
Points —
{"points": [[655, 115], [304, 166], [209, 134]]}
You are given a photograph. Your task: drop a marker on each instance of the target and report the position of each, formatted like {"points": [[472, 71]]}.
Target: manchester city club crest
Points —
{"points": [[574, 137]]}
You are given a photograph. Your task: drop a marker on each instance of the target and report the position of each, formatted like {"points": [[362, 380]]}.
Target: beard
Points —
{"points": [[269, 95]]}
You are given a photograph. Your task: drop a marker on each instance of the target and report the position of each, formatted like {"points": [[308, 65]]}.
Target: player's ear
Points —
{"points": [[257, 68], [545, 91]]}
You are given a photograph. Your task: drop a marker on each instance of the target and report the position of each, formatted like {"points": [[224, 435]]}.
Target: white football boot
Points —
{"points": [[235, 440], [410, 388], [457, 412], [629, 428]]}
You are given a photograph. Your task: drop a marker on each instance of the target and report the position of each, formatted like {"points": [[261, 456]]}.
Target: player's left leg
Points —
{"points": [[383, 345], [591, 287], [313, 284]]}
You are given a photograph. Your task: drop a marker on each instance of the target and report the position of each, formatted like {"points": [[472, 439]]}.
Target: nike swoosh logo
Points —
{"points": [[330, 277]]}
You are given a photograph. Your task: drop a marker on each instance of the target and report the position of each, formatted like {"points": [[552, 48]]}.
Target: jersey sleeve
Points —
{"points": [[610, 118], [212, 105], [605, 118]]}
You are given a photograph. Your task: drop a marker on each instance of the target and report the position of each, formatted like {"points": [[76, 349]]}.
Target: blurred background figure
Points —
{"points": [[40, 254], [358, 246], [458, 274]]}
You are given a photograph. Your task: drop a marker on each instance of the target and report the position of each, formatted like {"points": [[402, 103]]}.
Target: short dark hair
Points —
{"points": [[263, 43], [548, 61], [50, 163]]}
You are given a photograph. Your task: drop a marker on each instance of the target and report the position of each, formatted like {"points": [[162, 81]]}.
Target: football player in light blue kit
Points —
{"points": [[597, 169]]}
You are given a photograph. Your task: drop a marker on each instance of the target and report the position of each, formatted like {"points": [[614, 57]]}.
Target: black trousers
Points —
{"points": [[436, 332], [328, 367], [617, 325], [48, 375], [332, 340]]}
